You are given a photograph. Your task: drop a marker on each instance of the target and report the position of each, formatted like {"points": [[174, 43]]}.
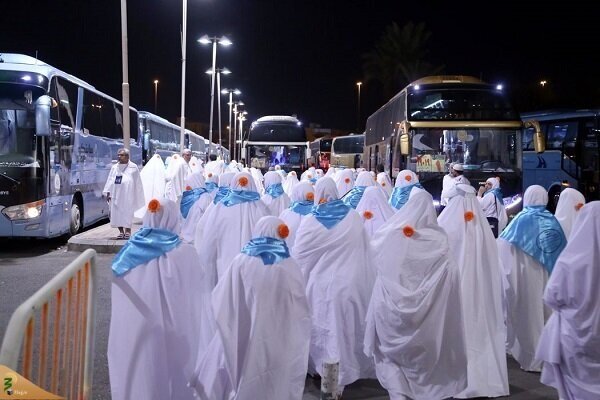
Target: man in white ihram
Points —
{"points": [[124, 193]]}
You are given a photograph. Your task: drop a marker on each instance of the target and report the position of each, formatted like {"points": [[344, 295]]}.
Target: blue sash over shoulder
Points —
{"points": [[352, 198], [146, 245], [302, 207], [235, 197], [221, 193], [188, 199], [538, 233], [400, 195], [275, 190], [210, 186], [331, 213], [269, 249]]}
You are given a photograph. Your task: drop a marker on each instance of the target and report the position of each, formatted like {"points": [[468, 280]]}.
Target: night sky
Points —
{"points": [[305, 57]]}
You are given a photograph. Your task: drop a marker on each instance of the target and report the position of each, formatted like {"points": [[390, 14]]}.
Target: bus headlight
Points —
{"points": [[24, 211]]}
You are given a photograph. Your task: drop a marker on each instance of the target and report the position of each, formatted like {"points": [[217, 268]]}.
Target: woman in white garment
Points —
{"points": [[492, 205], [332, 249], [156, 310], [570, 344], [175, 175], [229, 225], [386, 184], [474, 248], [567, 209], [363, 181], [415, 328], [290, 181], [344, 181], [302, 202], [260, 350], [275, 198], [406, 181], [374, 209], [194, 203], [528, 250], [153, 181]]}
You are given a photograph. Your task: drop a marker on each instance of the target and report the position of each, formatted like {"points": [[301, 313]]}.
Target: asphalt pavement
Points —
{"points": [[26, 265]]}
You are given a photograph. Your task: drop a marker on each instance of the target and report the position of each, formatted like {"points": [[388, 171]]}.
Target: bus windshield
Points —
{"points": [[276, 132], [348, 145], [287, 156], [459, 104], [17, 134], [478, 149]]}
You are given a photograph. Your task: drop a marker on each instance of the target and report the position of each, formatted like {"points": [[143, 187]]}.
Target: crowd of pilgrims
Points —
{"points": [[240, 284]]}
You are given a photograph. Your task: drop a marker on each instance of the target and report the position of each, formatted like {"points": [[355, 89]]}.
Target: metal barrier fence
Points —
{"points": [[50, 337]]}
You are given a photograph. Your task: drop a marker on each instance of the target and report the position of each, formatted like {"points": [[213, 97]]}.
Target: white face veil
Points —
{"points": [[535, 195], [325, 191], [567, 209], [167, 215], [272, 178]]}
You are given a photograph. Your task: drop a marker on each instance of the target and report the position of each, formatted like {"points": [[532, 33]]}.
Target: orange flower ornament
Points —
{"points": [[469, 216], [154, 206], [243, 181], [367, 214], [283, 231], [408, 231]]}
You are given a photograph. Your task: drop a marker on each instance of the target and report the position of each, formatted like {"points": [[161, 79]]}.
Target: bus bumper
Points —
{"points": [[34, 227]]}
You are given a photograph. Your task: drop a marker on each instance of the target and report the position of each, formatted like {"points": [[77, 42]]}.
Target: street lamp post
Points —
{"points": [[358, 85], [220, 71], [230, 103], [125, 85], [156, 96], [214, 40], [242, 118], [183, 52]]}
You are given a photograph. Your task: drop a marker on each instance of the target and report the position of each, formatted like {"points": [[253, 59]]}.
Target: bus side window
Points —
{"points": [[67, 102]]}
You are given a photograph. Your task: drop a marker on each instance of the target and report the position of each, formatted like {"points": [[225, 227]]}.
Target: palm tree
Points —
{"points": [[399, 57]]}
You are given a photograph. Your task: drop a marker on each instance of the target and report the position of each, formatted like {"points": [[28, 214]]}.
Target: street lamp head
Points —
{"points": [[358, 84], [204, 40], [156, 81], [240, 103], [225, 91], [237, 92], [225, 71], [225, 41], [209, 71]]}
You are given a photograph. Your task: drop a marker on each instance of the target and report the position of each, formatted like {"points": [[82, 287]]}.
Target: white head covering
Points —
{"points": [[195, 213], [535, 195], [320, 173], [258, 179], [308, 175], [406, 177], [416, 300], [153, 181], [175, 175], [567, 209], [275, 205], [325, 191], [374, 209], [495, 182], [458, 167], [139, 330], [303, 191], [196, 165], [364, 179], [212, 174], [226, 179], [572, 293], [330, 172], [195, 180], [474, 248], [345, 181], [386, 184], [290, 182], [246, 302]]}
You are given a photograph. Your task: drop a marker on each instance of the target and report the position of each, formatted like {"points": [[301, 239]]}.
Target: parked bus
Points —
{"points": [[196, 144], [442, 119], [320, 152], [160, 136], [276, 140], [572, 156], [58, 138], [347, 151]]}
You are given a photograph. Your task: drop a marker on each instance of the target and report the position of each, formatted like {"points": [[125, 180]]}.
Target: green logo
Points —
{"points": [[8, 382]]}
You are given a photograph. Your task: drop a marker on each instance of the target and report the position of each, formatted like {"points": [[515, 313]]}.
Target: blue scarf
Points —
{"points": [[269, 249], [210, 186], [352, 198], [239, 196], [302, 207], [331, 213], [146, 245], [188, 199], [498, 193], [313, 180], [275, 190], [537, 232], [400, 195], [222, 192]]}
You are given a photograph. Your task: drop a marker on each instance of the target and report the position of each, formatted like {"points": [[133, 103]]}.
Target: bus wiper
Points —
{"points": [[10, 179]]}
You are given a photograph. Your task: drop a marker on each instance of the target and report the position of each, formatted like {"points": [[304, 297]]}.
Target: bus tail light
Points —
{"points": [[24, 211]]}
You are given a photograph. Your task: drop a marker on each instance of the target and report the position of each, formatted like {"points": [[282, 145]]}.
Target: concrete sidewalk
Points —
{"points": [[102, 239]]}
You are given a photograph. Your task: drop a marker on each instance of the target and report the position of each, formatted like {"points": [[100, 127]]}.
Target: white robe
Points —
{"points": [[290, 182], [125, 197], [344, 181], [261, 347], [385, 183], [175, 175], [275, 205], [153, 181], [570, 343], [189, 224], [568, 208], [414, 325], [336, 264], [154, 328], [374, 201], [474, 248]]}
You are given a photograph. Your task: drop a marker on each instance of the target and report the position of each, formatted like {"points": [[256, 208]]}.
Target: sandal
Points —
{"points": [[120, 236], [126, 236]]}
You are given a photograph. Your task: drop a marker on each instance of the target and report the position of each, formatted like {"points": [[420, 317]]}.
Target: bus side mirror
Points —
{"points": [[308, 154], [404, 141], [539, 142], [244, 152], [42, 115]]}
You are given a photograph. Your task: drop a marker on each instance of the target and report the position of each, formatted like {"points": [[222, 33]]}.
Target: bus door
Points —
{"points": [[589, 141]]}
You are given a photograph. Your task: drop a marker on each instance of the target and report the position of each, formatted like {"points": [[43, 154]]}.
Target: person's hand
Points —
{"points": [[481, 191]]}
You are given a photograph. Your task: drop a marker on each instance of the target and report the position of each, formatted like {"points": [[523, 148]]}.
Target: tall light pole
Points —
{"points": [[183, 52], [156, 96], [358, 85], [214, 40], [125, 85], [236, 104], [242, 118], [220, 71], [230, 103]]}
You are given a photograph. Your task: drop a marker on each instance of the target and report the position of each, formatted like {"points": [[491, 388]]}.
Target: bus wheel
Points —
{"points": [[75, 220]]}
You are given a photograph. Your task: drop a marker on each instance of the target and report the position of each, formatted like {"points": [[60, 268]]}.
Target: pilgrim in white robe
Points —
{"points": [[195, 212], [175, 175], [567, 209], [153, 181], [258, 180], [337, 265], [155, 317], [414, 325], [260, 349], [126, 191], [275, 197], [229, 225], [290, 181], [406, 182], [344, 181], [526, 270], [363, 181], [474, 248], [386, 184], [301, 205], [570, 343], [492, 204], [374, 209]]}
